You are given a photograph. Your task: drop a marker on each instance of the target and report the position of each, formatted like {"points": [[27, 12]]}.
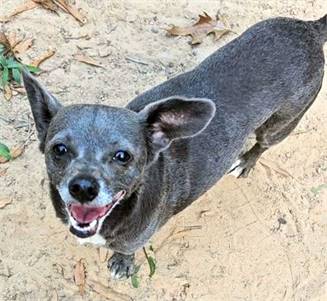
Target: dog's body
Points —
{"points": [[262, 82]]}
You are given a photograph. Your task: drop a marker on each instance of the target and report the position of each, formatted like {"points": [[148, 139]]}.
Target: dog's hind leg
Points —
{"points": [[273, 131]]}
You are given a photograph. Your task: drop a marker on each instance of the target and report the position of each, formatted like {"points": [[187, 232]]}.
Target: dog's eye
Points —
{"points": [[122, 156], [60, 149]]}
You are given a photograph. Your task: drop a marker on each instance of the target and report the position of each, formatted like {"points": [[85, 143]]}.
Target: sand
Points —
{"points": [[260, 238]]}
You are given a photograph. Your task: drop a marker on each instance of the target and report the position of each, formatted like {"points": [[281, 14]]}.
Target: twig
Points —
{"points": [[146, 254], [107, 292], [137, 61], [301, 132], [86, 36], [189, 228], [112, 29]]}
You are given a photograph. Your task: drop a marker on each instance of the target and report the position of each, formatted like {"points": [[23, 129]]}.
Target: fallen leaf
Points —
{"points": [[79, 276], [22, 46], [28, 5], [14, 44], [71, 10], [38, 61], [103, 254], [19, 90], [81, 57], [16, 151], [4, 41], [48, 4], [7, 92], [52, 5], [201, 29], [13, 40], [5, 202]]}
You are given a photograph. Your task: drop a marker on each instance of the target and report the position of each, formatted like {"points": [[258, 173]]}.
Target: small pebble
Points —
{"points": [[154, 30]]}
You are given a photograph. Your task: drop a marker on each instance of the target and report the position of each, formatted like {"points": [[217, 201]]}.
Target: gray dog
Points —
{"points": [[118, 174]]}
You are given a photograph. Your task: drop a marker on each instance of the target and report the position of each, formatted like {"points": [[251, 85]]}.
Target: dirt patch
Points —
{"points": [[263, 238]]}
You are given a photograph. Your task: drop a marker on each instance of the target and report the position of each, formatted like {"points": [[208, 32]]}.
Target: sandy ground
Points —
{"points": [[260, 238]]}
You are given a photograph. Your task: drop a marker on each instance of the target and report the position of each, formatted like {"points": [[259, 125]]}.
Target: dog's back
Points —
{"points": [[274, 69]]}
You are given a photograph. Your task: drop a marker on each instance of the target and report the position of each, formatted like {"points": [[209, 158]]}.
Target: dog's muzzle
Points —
{"points": [[86, 219]]}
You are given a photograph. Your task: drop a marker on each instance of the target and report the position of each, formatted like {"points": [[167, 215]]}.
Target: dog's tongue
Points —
{"points": [[86, 214]]}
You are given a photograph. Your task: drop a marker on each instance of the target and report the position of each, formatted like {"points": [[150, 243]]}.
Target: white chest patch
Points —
{"points": [[96, 239]]}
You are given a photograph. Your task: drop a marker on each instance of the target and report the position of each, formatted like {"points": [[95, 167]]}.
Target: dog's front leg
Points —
{"points": [[121, 266]]}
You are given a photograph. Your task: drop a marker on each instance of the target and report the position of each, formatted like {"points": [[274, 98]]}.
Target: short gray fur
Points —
{"points": [[186, 133]]}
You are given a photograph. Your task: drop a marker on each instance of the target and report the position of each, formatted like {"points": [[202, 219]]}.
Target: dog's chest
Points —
{"points": [[96, 239]]}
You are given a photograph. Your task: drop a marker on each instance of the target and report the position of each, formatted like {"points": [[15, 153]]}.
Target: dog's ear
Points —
{"points": [[44, 106], [175, 117]]}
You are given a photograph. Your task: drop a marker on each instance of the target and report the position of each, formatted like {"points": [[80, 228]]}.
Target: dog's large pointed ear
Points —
{"points": [[43, 104], [175, 117]]}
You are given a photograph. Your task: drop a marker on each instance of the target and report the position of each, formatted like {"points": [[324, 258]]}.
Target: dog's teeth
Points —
{"points": [[93, 223]]}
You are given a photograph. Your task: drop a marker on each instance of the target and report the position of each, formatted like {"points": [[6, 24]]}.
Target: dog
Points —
{"points": [[119, 174]]}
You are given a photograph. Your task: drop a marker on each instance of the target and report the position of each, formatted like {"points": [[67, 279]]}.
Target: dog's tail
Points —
{"points": [[321, 27]]}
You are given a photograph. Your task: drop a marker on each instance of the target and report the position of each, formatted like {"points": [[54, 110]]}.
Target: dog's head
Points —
{"points": [[96, 155]]}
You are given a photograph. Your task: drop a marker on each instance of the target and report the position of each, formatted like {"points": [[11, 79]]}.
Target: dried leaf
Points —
{"points": [[28, 5], [16, 151], [52, 5], [7, 92], [201, 29], [37, 62], [4, 40], [71, 10], [5, 202], [13, 40], [19, 90], [103, 254], [22, 46], [47, 4], [79, 276], [81, 57], [14, 44]]}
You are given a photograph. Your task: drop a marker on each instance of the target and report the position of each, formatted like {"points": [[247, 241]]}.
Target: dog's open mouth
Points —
{"points": [[86, 218]]}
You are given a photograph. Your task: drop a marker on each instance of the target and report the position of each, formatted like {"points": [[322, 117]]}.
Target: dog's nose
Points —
{"points": [[83, 189]]}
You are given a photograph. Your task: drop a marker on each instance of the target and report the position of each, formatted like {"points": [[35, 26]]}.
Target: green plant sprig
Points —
{"points": [[11, 68]]}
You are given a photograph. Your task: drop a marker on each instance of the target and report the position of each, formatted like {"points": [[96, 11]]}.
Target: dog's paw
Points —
{"points": [[241, 168], [121, 266]]}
